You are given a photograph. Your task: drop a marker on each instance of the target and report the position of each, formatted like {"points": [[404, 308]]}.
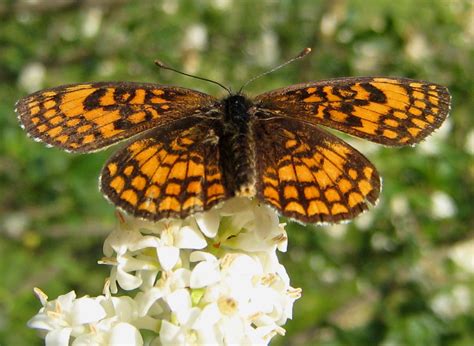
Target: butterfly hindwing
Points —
{"points": [[310, 175], [91, 116], [389, 111], [172, 171]]}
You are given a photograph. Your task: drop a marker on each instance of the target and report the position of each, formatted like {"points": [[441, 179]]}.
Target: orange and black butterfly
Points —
{"points": [[190, 151]]}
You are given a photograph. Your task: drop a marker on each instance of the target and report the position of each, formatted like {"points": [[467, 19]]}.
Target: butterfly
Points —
{"points": [[189, 151]]}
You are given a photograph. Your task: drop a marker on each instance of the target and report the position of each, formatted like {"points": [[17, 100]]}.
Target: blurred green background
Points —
{"points": [[401, 274]]}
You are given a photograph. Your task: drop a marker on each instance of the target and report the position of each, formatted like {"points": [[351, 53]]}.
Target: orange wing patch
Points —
{"points": [[320, 179], [91, 116], [390, 111], [173, 172]]}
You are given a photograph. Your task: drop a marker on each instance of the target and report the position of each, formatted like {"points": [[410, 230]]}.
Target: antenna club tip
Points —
{"points": [[159, 63], [304, 52]]}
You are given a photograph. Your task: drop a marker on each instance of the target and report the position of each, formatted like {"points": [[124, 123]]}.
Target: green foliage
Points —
{"points": [[399, 275]]}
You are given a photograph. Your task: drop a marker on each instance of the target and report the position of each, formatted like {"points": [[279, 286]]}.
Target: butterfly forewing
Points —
{"points": [[390, 111], [309, 175], [91, 116], [172, 171]]}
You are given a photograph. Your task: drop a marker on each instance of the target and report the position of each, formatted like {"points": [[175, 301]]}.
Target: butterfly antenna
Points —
{"points": [[301, 55], [160, 64]]}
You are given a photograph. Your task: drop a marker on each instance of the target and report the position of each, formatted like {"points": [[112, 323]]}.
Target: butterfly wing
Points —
{"points": [[91, 116], [171, 171], [310, 175], [390, 111]]}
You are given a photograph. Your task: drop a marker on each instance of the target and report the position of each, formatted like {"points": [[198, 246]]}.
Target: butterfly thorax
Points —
{"points": [[237, 146]]}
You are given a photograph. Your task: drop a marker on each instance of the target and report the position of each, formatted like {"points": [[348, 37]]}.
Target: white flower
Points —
{"points": [[463, 255], [450, 304], [119, 334], [442, 205], [434, 143], [237, 296], [195, 37], [32, 76], [86, 320], [141, 256], [469, 144], [128, 245], [66, 315], [213, 278]]}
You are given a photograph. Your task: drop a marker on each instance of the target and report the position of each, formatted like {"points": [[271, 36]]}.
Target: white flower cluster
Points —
{"points": [[213, 278]]}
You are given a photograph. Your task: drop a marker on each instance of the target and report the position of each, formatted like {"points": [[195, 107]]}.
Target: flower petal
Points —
{"points": [[189, 238], [208, 317], [204, 274], [86, 310], [125, 334], [179, 301], [170, 334], [58, 337], [197, 256], [146, 299], [168, 256], [127, 281], [208, 222]]}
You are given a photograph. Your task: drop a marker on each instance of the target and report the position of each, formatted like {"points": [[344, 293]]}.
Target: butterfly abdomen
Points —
{"points": [[237, 147]]}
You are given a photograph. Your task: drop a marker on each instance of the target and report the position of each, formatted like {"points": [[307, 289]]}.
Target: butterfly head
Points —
{"points": [[236, 108]]}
